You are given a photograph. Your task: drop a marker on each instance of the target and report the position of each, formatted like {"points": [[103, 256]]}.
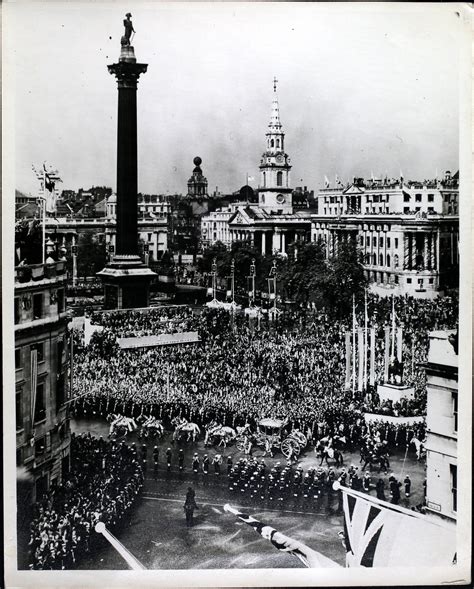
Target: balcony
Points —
{"points": [[35, 273]]}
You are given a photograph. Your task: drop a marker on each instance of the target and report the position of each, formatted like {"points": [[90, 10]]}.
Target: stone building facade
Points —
{"points": [[442, 425], [42, 374], [408, 232]]}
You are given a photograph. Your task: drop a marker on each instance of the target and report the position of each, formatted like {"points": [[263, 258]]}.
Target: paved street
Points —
{"points": [[157, 534]]}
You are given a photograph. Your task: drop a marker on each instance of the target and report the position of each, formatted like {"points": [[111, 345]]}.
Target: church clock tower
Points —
{"points": [[274, 192]]}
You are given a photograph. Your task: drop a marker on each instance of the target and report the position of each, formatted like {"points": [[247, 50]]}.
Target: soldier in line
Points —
{"points": [[168, 459], [181, 459]]}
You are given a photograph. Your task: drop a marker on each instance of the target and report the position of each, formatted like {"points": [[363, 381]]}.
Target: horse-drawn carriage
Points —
{"points": [[269, 436]]}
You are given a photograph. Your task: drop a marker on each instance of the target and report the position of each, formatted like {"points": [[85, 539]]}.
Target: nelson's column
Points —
{"points": [[126, 278]]}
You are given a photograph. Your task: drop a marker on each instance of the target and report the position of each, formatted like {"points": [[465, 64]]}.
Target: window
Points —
{"points": [[17, 310], [420, 282], [361, 239], [395, 278], [395, 260], [19, 410], [278, 143], [376, 198], [40, 350], [406, 198], [381, 260], [374, 259], [388, 241], [279, 178], [417, 209], [431, 210], [18, 363], [40, 446], [417, 197], [149, 236], [60, 392], [40, 407], [388, 260], [408, 280], [272, 143], [453, 469], [381, 241], [61, 300], [455, 411], [374, 241], [406, 210], [60, 352], [431, 280], [38, 306], [430, 197], [396, 242]]}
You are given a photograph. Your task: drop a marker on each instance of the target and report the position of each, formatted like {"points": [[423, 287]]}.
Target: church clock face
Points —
{"points": [[279, 159], [280, 199]]}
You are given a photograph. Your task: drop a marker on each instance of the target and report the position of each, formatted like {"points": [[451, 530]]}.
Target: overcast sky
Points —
{"points": [[362, 89]]}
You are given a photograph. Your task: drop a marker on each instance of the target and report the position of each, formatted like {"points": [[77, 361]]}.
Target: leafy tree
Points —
{"points": [[91, 256], [28, 238], [345, 279]]}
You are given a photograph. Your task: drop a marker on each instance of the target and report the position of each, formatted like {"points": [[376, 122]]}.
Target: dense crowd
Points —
{"points": [[102, 485], [241, 372]]}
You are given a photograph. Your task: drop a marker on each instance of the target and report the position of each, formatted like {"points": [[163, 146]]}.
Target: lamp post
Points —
{"points": [[273, 274], [232, 276], [252, 277], [214, 278]]}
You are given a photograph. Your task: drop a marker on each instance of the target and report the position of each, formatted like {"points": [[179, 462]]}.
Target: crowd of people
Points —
{"points": [[102, 485], [240, 372]]}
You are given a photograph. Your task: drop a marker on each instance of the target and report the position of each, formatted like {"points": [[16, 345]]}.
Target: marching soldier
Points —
{"points": [[180, 459], [195, 463]]}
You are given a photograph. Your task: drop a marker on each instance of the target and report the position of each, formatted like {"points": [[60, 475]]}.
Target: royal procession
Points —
{"points": [[263, 376]]}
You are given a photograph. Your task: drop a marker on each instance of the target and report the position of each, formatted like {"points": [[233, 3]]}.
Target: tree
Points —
{"points": [[90, 254], [28, 238], [345, 279], [302, 279]]}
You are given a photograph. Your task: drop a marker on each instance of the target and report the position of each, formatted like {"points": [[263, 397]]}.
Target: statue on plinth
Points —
{"points": [[127, 23]]}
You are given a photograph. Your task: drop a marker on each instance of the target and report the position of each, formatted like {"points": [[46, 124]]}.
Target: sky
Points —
{"points": [[362, 89]]}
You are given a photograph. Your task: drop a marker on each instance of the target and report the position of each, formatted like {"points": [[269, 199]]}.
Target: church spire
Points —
{"points": [[275, 123]]}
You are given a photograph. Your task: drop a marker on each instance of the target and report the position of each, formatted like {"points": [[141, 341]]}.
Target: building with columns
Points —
{"points": [[408, 232]]}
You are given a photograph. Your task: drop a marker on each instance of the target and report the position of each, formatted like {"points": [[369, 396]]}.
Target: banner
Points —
{"points": [[271, 288], [360, 343], [307, 555], [380, 534], [399, 344], [387, 354], [372, 356], [34, 383], [348, 360]]}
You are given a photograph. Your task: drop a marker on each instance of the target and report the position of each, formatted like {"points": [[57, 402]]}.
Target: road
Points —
{"points": [[157, 534]]}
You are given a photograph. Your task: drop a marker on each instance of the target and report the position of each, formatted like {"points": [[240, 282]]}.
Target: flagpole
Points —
{"points": [[132, 562], [392, 345], [353, 346], [365, 341]]}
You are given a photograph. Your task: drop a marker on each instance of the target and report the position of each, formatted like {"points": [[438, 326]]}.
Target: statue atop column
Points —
{"points": [[127, 23]]}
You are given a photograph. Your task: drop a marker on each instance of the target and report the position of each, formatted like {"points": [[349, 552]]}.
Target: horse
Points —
{"points": [[419, 447], [150, 427], [183, 426], [225, 433], [325, 449]]}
